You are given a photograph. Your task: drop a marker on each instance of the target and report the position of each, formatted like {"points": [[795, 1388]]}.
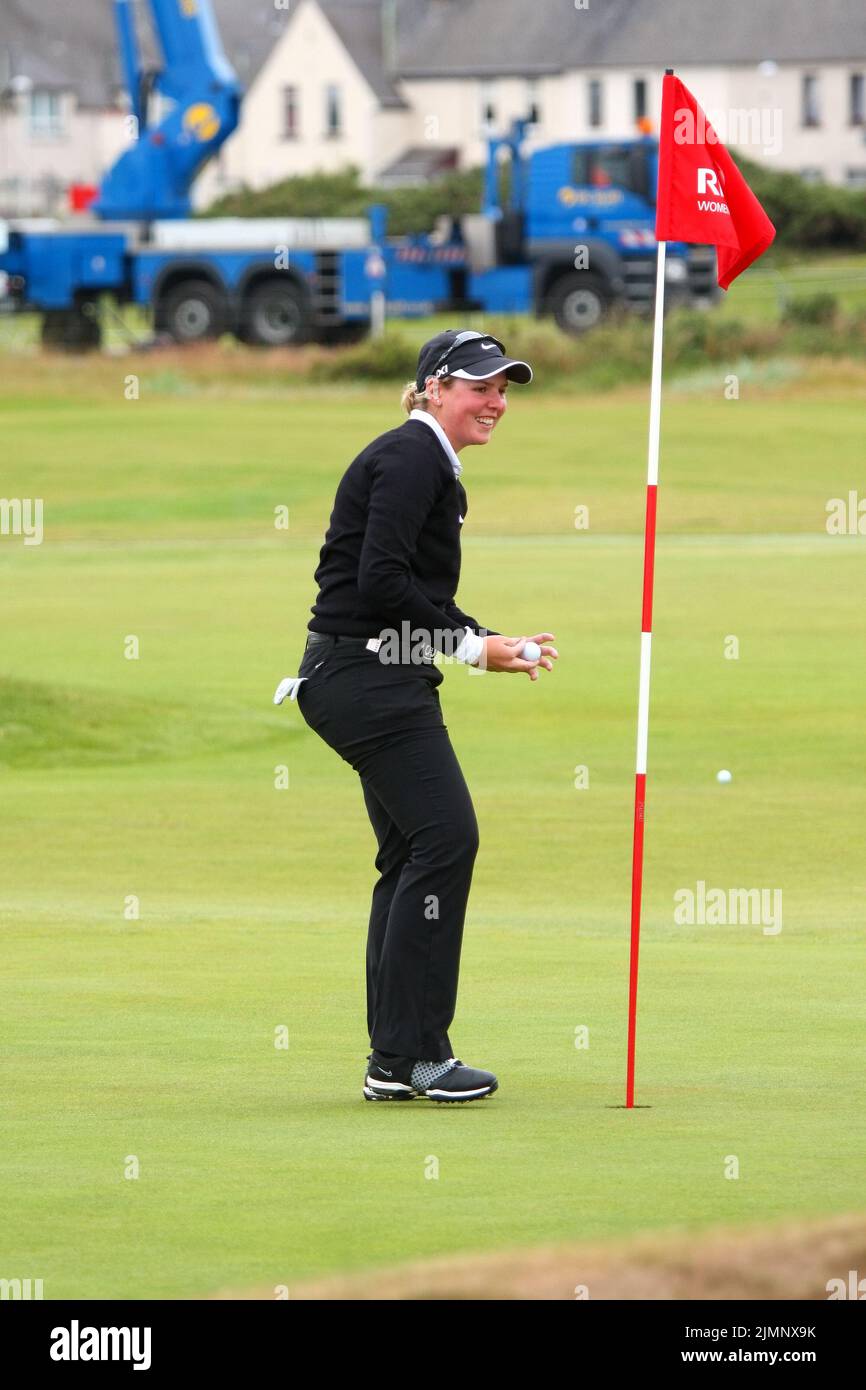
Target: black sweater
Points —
{"points": [[392, 548]]}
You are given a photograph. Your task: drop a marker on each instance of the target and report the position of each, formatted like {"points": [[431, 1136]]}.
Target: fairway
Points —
{"points": [[159, 1142]]}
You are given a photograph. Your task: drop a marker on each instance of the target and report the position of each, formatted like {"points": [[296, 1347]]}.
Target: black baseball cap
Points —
{"points": [[468, 354]]}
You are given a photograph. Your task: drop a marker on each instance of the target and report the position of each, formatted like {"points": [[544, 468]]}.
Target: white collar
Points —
{"points": [[443, 438]]}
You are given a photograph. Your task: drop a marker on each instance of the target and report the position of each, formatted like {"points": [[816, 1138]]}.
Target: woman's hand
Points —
{"points": [[500, 654]]}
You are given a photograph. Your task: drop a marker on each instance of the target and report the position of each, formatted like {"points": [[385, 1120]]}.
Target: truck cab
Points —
{"points": [[582, 216]]}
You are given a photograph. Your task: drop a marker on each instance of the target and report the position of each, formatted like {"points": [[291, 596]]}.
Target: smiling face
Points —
{"points": [[469, 410]]}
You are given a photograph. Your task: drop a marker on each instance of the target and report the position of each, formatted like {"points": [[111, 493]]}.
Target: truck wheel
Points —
{"points": [[72, 330], [274, 315], [578, 301], [192, 312]]}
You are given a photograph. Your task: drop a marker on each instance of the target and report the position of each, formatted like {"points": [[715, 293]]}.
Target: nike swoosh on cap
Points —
{"points": [[488, 347]]}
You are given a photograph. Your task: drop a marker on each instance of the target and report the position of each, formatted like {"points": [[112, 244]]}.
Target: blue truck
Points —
{"points": [[572, 239]]}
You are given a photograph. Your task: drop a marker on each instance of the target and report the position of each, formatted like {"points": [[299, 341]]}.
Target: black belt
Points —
{"points": [[371, 643], [314, 637]]}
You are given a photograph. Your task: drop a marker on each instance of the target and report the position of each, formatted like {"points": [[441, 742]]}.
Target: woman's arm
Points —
{"points": [[454, 612], [402, 497]]}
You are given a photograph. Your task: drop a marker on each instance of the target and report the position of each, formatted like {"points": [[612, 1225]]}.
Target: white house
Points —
{"points": [[322, 99], [61, 116]]}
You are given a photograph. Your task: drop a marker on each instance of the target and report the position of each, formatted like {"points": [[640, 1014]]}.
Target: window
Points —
{"points": [[855, 178], [809, 113], [333, 112], [595, 103], [580, 168], [811, 174], [533, 103], [291, 119], [46, 115], [611, 166], [856, 103], [639, 98], [487, 106]]}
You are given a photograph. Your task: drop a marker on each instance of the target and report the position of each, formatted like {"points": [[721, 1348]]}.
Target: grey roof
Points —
{"points": [[418, 164], [668, 32], [71, 44], [359, 24], [519, 37], [249, 31], [478, 37], [59, 47]]}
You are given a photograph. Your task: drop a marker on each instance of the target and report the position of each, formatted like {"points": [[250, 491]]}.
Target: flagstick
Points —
{"points": [[645, 648]]}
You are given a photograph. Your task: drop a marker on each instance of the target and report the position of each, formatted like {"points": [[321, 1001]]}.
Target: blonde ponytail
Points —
{"points": [[410, 395], [413, 399]]}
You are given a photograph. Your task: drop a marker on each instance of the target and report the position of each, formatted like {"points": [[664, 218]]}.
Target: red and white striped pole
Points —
{"points": [[645, 649]]}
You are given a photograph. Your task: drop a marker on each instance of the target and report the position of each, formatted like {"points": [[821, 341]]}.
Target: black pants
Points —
{"points": [[386, 722]]}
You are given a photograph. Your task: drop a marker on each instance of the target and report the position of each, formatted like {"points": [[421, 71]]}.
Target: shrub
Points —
{"points": [[392, 358], [310, 195], [808, 214], [411, 211], [812, 308]]}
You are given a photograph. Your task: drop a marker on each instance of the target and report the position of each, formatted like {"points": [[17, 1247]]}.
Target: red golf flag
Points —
{"points": [[702, 196]]}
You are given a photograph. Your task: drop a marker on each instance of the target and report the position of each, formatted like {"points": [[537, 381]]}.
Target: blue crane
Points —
{"points": [[197, 84]]}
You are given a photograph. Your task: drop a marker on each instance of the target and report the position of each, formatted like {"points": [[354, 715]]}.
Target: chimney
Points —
{"points": [[389, 36]]}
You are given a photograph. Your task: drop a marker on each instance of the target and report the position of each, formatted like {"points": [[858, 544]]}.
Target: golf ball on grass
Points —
{"points": [[724, 775], [531, 651]]}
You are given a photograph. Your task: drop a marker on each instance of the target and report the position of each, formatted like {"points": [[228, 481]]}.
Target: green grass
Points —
{"points": [[153, 1036], [780, 278]]}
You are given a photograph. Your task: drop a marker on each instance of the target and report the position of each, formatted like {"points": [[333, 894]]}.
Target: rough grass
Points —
{"points": [[64, 726], [784, 1262]]}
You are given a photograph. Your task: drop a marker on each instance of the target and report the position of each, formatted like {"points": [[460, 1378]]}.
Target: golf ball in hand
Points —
{"points": [[724, 775], [530, 651]]}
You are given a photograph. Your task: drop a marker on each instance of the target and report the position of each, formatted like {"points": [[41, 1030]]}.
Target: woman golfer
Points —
{"points": [[368, 685]]}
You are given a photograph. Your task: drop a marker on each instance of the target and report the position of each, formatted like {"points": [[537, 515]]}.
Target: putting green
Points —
{"points": [[148, 1043]]}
